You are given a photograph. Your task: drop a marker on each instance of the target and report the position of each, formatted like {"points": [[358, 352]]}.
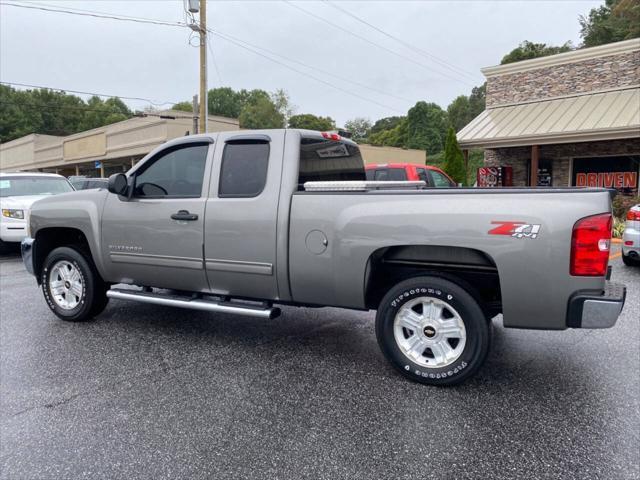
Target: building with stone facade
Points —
{"points": [[571, 119]]}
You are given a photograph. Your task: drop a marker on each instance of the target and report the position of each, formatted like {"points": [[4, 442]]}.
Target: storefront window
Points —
{"points": [[619, 172]]}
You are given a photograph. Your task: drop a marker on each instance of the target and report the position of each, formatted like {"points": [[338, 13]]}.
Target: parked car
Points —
{"points": [[432, 176], [631, 237], [238, 222], [18, 191], [86, 183]]}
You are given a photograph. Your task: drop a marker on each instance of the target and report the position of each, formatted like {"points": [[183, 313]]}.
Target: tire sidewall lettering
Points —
{"points": [[443, 373]]}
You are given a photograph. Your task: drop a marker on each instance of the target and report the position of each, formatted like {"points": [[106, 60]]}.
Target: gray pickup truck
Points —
{"points": [[238, 222]]}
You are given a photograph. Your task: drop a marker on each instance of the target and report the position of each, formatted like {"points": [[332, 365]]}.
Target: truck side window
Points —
{"points": [[244, 168], [176, 172], [422, 175]]}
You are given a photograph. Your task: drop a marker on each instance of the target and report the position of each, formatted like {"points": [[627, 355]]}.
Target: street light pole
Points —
{"points": [[203, 67]]}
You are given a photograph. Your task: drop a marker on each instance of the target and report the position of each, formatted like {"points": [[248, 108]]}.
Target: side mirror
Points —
{"points": [[118, 184]]}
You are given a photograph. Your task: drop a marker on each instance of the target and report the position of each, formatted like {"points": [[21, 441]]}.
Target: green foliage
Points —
{"points": [[453, 159], [260, 112], [622, 203], [282, 101], [387, 123], [312, 122], [614, 21], [183, 107], [427, 127], [527, 50], [359, 128], [395, 137], [54, 113]]}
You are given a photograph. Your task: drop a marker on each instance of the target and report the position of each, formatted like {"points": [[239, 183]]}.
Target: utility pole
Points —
{"points": [[195, 114], [203, 67]]}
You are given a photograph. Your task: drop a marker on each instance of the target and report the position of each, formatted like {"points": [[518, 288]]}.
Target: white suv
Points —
{"points": [[17, 192], [631, 237]]}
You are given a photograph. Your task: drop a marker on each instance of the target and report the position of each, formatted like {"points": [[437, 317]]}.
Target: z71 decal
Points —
{"points": [[516, 229]]}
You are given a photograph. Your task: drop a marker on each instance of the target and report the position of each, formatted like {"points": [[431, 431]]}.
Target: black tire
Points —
{"points": [[93, 298], [629, 262], [477, 329]]}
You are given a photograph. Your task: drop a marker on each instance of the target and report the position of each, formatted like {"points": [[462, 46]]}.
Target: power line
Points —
{"points": [[344, 79], [213, 59], [88, 13], [224, 37], [89, 93], [424, 53], [412, 60], [182, 24]]}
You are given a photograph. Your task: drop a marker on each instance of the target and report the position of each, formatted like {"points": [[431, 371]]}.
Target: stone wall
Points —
{"points": [[560, 155], [612, 71]]}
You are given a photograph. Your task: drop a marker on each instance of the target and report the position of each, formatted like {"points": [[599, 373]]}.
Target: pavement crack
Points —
{"points": [[54, 404]]}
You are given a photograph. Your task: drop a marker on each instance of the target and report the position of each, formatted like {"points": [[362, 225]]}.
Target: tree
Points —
{"points": [[386, 123], [527, 50], [312, 122], [453, 159], [359, 128], [260, 113], [427, 127], [282, 101], [463, 109], [183, 107], [614, 21]]}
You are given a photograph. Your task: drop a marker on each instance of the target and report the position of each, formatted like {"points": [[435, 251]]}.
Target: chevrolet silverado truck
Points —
{"points": [[241, 222]]}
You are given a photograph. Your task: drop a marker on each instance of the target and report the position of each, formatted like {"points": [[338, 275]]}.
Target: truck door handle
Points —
{"points": [[184, 215]]}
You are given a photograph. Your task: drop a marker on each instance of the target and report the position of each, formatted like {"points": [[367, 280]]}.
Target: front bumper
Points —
{"points": [[589, 309], [27, 248], [12, 230]]}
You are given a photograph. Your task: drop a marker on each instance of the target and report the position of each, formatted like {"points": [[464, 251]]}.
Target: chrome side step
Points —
{"points": [[194, 303]]}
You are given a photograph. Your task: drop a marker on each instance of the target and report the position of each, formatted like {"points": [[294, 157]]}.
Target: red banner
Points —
{"points": [[607, 179]]}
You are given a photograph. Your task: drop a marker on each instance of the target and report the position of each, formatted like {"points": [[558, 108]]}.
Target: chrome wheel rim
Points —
{"points": [[66, 285], [429, 332]]}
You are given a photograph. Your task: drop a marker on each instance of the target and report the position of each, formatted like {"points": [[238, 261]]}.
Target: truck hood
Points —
{"points": [[21, 202]]}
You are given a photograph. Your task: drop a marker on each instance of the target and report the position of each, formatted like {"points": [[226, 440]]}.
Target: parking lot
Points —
{"points": [[159, 393]]}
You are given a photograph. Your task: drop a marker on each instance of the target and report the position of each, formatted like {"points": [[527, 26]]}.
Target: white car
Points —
{"points": [[18, 191], [631, 237]]}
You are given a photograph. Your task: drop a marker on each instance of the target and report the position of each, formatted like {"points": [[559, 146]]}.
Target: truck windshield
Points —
{"points": [[329, 160], [22, 186]]}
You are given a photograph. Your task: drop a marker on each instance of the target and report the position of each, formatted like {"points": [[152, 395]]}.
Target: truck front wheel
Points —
{"points": [[432, 331], [72, 286]]}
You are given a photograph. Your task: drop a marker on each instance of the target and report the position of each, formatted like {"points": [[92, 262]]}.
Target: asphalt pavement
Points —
{"points": [[162, 393]]}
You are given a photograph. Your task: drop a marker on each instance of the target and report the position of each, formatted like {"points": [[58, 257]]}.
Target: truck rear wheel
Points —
{"points": [[72, 286], [432, 330]]}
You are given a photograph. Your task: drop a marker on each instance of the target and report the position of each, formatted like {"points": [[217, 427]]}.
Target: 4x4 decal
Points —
{"points": [[516, 229]]}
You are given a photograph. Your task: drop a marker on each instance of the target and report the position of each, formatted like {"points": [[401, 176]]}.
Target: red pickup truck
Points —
{"points": [[433, 176]]}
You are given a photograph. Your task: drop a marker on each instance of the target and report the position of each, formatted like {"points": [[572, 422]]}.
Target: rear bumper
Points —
{"points": [[589, 309], [27, 248], [631, 242]]}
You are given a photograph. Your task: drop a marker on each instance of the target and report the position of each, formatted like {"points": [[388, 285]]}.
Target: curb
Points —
{"points": [[616, 240]]}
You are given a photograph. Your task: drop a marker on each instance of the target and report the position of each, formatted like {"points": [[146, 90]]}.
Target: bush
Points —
{"points": [[622, 203]]}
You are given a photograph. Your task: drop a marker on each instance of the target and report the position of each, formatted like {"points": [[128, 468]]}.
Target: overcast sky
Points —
{"points": [[452, 41]]}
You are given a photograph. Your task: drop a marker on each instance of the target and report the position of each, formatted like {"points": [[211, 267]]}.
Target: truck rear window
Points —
{"points": [[323, 160], [388, 174]]}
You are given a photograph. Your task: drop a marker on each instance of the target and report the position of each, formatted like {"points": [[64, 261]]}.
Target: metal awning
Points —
{"points": [[587, 117]]}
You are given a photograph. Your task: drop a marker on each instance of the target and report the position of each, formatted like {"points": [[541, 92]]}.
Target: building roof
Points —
{"points": [[605, 115]]}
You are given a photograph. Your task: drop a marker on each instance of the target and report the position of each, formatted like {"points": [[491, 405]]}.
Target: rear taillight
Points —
{"points": [[331, 136], [590, 243], [633, 215]]}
